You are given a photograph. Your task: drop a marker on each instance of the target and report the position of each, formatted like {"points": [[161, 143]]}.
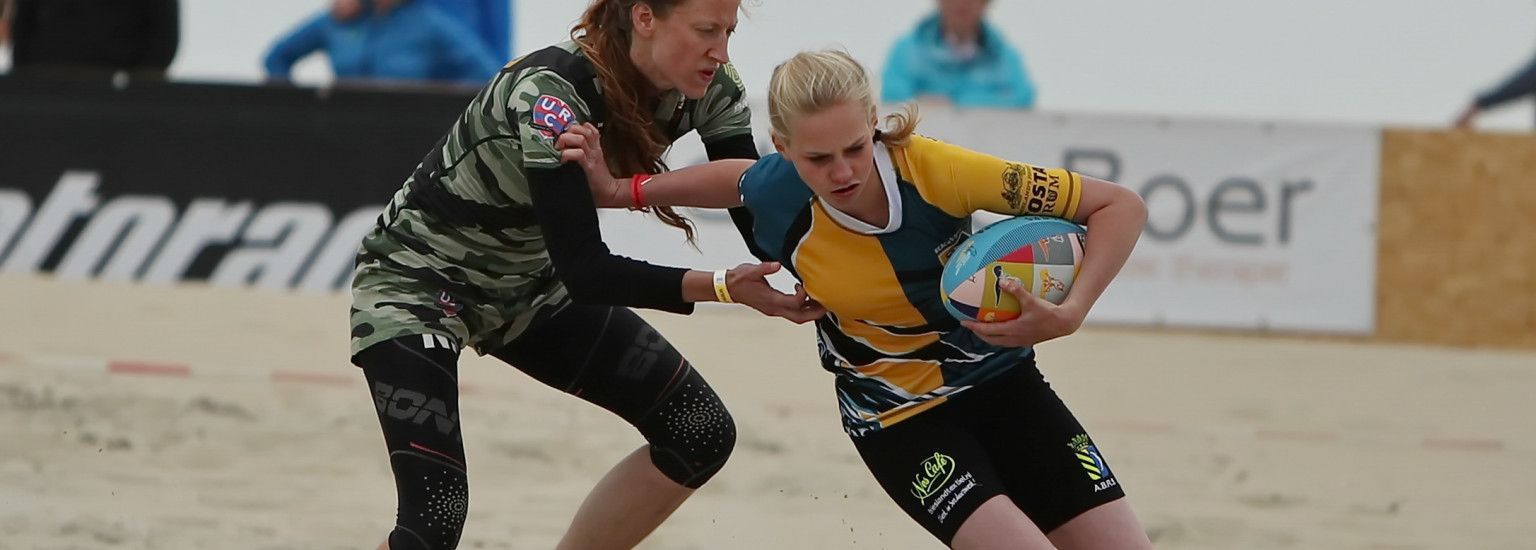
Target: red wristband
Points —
{"points": [[637, 198]]}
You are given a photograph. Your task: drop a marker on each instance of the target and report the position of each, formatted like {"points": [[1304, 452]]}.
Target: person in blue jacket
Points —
{"points": [[955, 56], [408, 40], [491, 20], [1520, 85]]}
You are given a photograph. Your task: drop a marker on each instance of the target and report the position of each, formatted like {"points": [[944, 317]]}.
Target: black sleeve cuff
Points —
{"points": [[591, 273], [734, 147]]}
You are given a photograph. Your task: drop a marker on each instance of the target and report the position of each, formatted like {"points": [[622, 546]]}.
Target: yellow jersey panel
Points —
{"points": [[849, 272]]}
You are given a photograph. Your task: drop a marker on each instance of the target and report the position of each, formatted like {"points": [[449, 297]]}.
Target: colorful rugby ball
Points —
{"points": [[1042, 253]]}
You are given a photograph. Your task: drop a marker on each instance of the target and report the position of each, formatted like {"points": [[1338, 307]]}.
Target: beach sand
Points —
{"points": [[232, 419]]}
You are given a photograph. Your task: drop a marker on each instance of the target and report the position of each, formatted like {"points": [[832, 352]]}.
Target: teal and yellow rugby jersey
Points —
{"points": [[887, 337]]}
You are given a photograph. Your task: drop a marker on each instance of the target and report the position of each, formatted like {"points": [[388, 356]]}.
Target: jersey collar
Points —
{"points": [[887, 173]]}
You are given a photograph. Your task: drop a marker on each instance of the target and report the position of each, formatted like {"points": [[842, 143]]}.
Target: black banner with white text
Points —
{"points": [[271, 187]]}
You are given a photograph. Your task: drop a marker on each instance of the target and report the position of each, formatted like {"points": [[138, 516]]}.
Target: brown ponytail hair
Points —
{"points": [[630, 138]]}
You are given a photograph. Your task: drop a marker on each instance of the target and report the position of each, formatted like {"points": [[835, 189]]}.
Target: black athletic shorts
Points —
{"points": [[1008, 436]]}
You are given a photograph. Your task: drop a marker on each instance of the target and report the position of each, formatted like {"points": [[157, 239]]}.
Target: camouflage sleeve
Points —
{"points": [[723, 112], [543, 105]]}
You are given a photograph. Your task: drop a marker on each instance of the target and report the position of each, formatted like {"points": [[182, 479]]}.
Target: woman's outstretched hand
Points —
{"points": [[748, 285]]}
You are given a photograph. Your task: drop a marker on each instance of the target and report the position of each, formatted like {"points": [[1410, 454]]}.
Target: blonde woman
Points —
{"points": [[953, 419]]}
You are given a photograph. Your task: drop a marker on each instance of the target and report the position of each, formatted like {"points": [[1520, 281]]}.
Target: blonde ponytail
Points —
{"points": [[899, 126]]}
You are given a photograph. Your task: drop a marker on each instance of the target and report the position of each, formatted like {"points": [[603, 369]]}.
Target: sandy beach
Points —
{"points": [[190, 417]]}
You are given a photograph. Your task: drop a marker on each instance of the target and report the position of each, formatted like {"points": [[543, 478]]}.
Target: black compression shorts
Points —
{"points": [[1008, 436]]}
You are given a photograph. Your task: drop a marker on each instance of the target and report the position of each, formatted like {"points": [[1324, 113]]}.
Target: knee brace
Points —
{"points": [[434, 500], [690, 432]]}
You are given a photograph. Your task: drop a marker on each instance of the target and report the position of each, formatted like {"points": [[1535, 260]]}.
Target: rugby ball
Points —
{"points": [[1043, 253]]}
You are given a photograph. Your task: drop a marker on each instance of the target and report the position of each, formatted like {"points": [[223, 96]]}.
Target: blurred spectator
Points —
{"points": [[409, 40], [93, 36], [1520, 85], [955, 56], [491, 20]]}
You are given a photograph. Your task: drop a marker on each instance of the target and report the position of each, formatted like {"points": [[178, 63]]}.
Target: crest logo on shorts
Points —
{"points": [[1089, 456], [446, 303], [935, 472]]}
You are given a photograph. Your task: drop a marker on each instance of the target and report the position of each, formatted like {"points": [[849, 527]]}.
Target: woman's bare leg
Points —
{"points": [[625, 506], [997, 525], [1111, 525]]}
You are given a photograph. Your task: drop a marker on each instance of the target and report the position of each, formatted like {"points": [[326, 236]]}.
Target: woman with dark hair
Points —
{"points": [[493, 243]]}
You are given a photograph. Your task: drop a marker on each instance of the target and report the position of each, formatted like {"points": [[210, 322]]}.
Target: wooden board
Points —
{"points": [[1457, 239]]}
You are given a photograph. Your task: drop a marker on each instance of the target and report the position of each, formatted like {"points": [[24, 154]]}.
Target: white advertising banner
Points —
{"points": [[1251, 225]]}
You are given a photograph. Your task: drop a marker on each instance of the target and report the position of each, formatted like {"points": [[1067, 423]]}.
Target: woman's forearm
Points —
{"points": [[709, 185], [1112, 233]]}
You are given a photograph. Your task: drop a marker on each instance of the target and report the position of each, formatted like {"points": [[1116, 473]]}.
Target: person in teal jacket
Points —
{"points": [[407, 40], [957, 57]]}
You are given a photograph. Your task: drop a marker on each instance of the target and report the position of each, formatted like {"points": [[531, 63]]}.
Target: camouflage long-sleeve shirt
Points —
{"points": [[459, 251]]}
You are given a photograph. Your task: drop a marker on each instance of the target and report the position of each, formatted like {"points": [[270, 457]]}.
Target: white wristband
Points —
{"points": [[722, 293]]}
